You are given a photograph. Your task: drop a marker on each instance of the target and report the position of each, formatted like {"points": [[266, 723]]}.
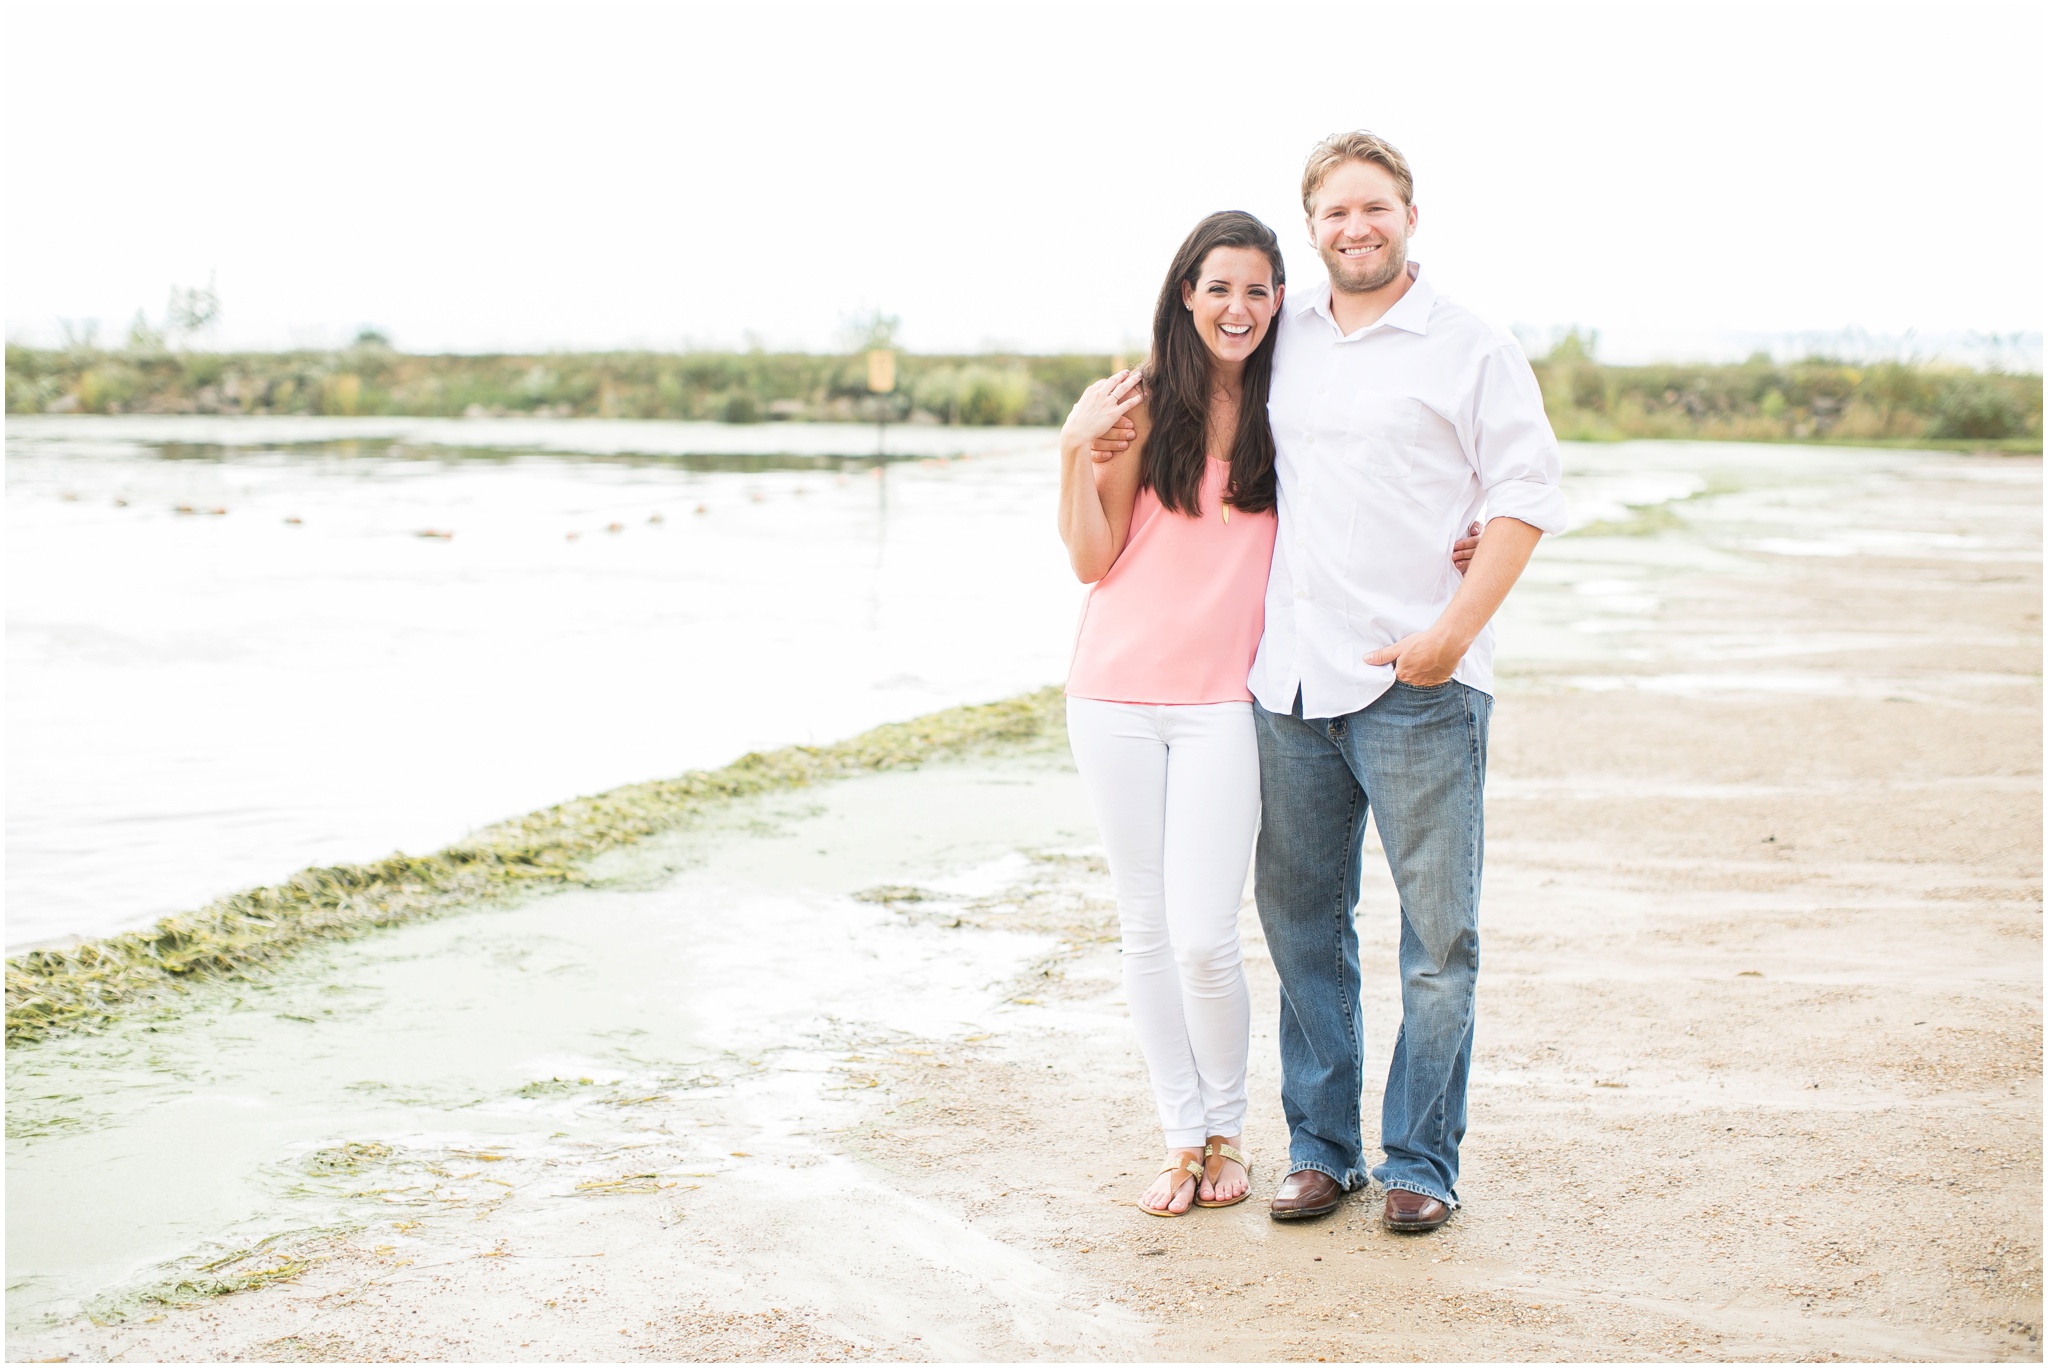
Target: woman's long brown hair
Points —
{"points": [[1177, 383]]}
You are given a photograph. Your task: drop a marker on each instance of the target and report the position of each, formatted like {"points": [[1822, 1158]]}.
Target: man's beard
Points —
{"points": [[1351, 277]]}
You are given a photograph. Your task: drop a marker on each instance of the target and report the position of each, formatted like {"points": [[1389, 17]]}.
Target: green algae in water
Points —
{"points": [[346, 1158], [87, 985], [1651, 519], [199, 1278]]}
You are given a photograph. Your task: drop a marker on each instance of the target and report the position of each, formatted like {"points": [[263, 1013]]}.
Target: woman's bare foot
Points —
{"points": [[1173, 1190], [1224, 1180]]}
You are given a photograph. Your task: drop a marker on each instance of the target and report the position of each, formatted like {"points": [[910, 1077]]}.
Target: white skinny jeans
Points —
{"points": [[1176, 794]]}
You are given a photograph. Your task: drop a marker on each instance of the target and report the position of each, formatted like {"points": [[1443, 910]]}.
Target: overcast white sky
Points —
{"points": [[474, 177]]}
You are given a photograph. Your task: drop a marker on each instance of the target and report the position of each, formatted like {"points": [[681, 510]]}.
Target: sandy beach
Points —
{"points": [[844, 1072]]}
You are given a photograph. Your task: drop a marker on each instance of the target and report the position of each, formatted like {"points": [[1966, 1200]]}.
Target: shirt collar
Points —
{"points": [[1410, 313]]}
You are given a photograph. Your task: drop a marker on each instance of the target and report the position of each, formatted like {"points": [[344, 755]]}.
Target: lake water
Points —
{"points": [[292, 673], [202, 701]]}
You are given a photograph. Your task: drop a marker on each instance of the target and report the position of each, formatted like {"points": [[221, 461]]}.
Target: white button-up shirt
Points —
{"points": [[1389, 441]]}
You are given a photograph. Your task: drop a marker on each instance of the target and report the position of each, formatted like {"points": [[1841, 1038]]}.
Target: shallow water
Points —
{"points": [[1647, 514], [199, 702], [715, 1010]]}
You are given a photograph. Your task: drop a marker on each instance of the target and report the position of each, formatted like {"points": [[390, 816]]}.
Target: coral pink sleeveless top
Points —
{"points": [[1177, 618]]}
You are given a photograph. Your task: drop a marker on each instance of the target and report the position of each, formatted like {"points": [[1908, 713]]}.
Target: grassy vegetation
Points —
{"points": [[734, 387], [1885, 403], [88, 984]]}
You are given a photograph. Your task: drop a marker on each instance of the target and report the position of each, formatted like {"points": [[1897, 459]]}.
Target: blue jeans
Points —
{"points": [[1416, 758]]}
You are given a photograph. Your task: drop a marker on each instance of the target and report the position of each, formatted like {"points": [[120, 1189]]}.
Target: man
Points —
{"points": [[1397, 416]]}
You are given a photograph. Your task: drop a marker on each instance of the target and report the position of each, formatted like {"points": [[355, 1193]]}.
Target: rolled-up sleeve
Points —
{"points": [[1507, 436]]}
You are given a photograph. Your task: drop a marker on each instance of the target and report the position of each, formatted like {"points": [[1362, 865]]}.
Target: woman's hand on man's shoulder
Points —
{"points": [[1121, 434], [1102, 408]]}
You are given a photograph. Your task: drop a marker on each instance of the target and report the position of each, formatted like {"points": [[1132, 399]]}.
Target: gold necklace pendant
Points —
{"points": [[1226, 513]]}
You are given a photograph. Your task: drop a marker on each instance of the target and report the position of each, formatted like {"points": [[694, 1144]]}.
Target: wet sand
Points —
{"points": [[1758, 1072]]}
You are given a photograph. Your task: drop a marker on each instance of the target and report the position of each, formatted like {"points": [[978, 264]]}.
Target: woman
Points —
{"points": [[1175, 534]]}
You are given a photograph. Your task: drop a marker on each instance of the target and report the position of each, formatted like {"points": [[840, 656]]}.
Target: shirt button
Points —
{"points": [[1301, 593]]}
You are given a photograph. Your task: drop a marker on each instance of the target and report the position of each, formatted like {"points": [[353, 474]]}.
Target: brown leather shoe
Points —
{"points": [[1306, 1193], [1414, 1212]]}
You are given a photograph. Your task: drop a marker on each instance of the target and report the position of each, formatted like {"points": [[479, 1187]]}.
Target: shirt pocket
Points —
{"points": [[1380, 433]]}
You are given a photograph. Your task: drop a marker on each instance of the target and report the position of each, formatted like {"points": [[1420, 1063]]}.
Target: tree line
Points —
{"points": [[1893, 402]]}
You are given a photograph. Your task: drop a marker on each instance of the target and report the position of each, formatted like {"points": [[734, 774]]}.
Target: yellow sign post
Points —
{"points": [[881, 381], [881, 371]]}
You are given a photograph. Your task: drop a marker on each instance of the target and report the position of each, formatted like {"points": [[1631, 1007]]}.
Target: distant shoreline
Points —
{"points": [[1884, 404]]}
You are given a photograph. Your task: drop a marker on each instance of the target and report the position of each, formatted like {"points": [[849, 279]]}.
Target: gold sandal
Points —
{"points": [[1184, 1166], [1231, 1152]]}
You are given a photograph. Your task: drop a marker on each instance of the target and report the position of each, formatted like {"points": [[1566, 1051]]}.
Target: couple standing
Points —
{"points": [[1284, 633]]}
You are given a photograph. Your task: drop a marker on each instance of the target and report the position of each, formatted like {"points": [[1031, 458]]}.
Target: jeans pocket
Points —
{"points": [[1425, 688]]}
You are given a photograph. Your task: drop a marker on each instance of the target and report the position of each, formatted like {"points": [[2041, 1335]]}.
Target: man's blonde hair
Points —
{"points": [[1358, 145]]}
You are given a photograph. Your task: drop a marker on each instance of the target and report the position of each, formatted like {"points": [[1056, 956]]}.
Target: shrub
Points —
{"points": [[1976, 407], [990, 398]]}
